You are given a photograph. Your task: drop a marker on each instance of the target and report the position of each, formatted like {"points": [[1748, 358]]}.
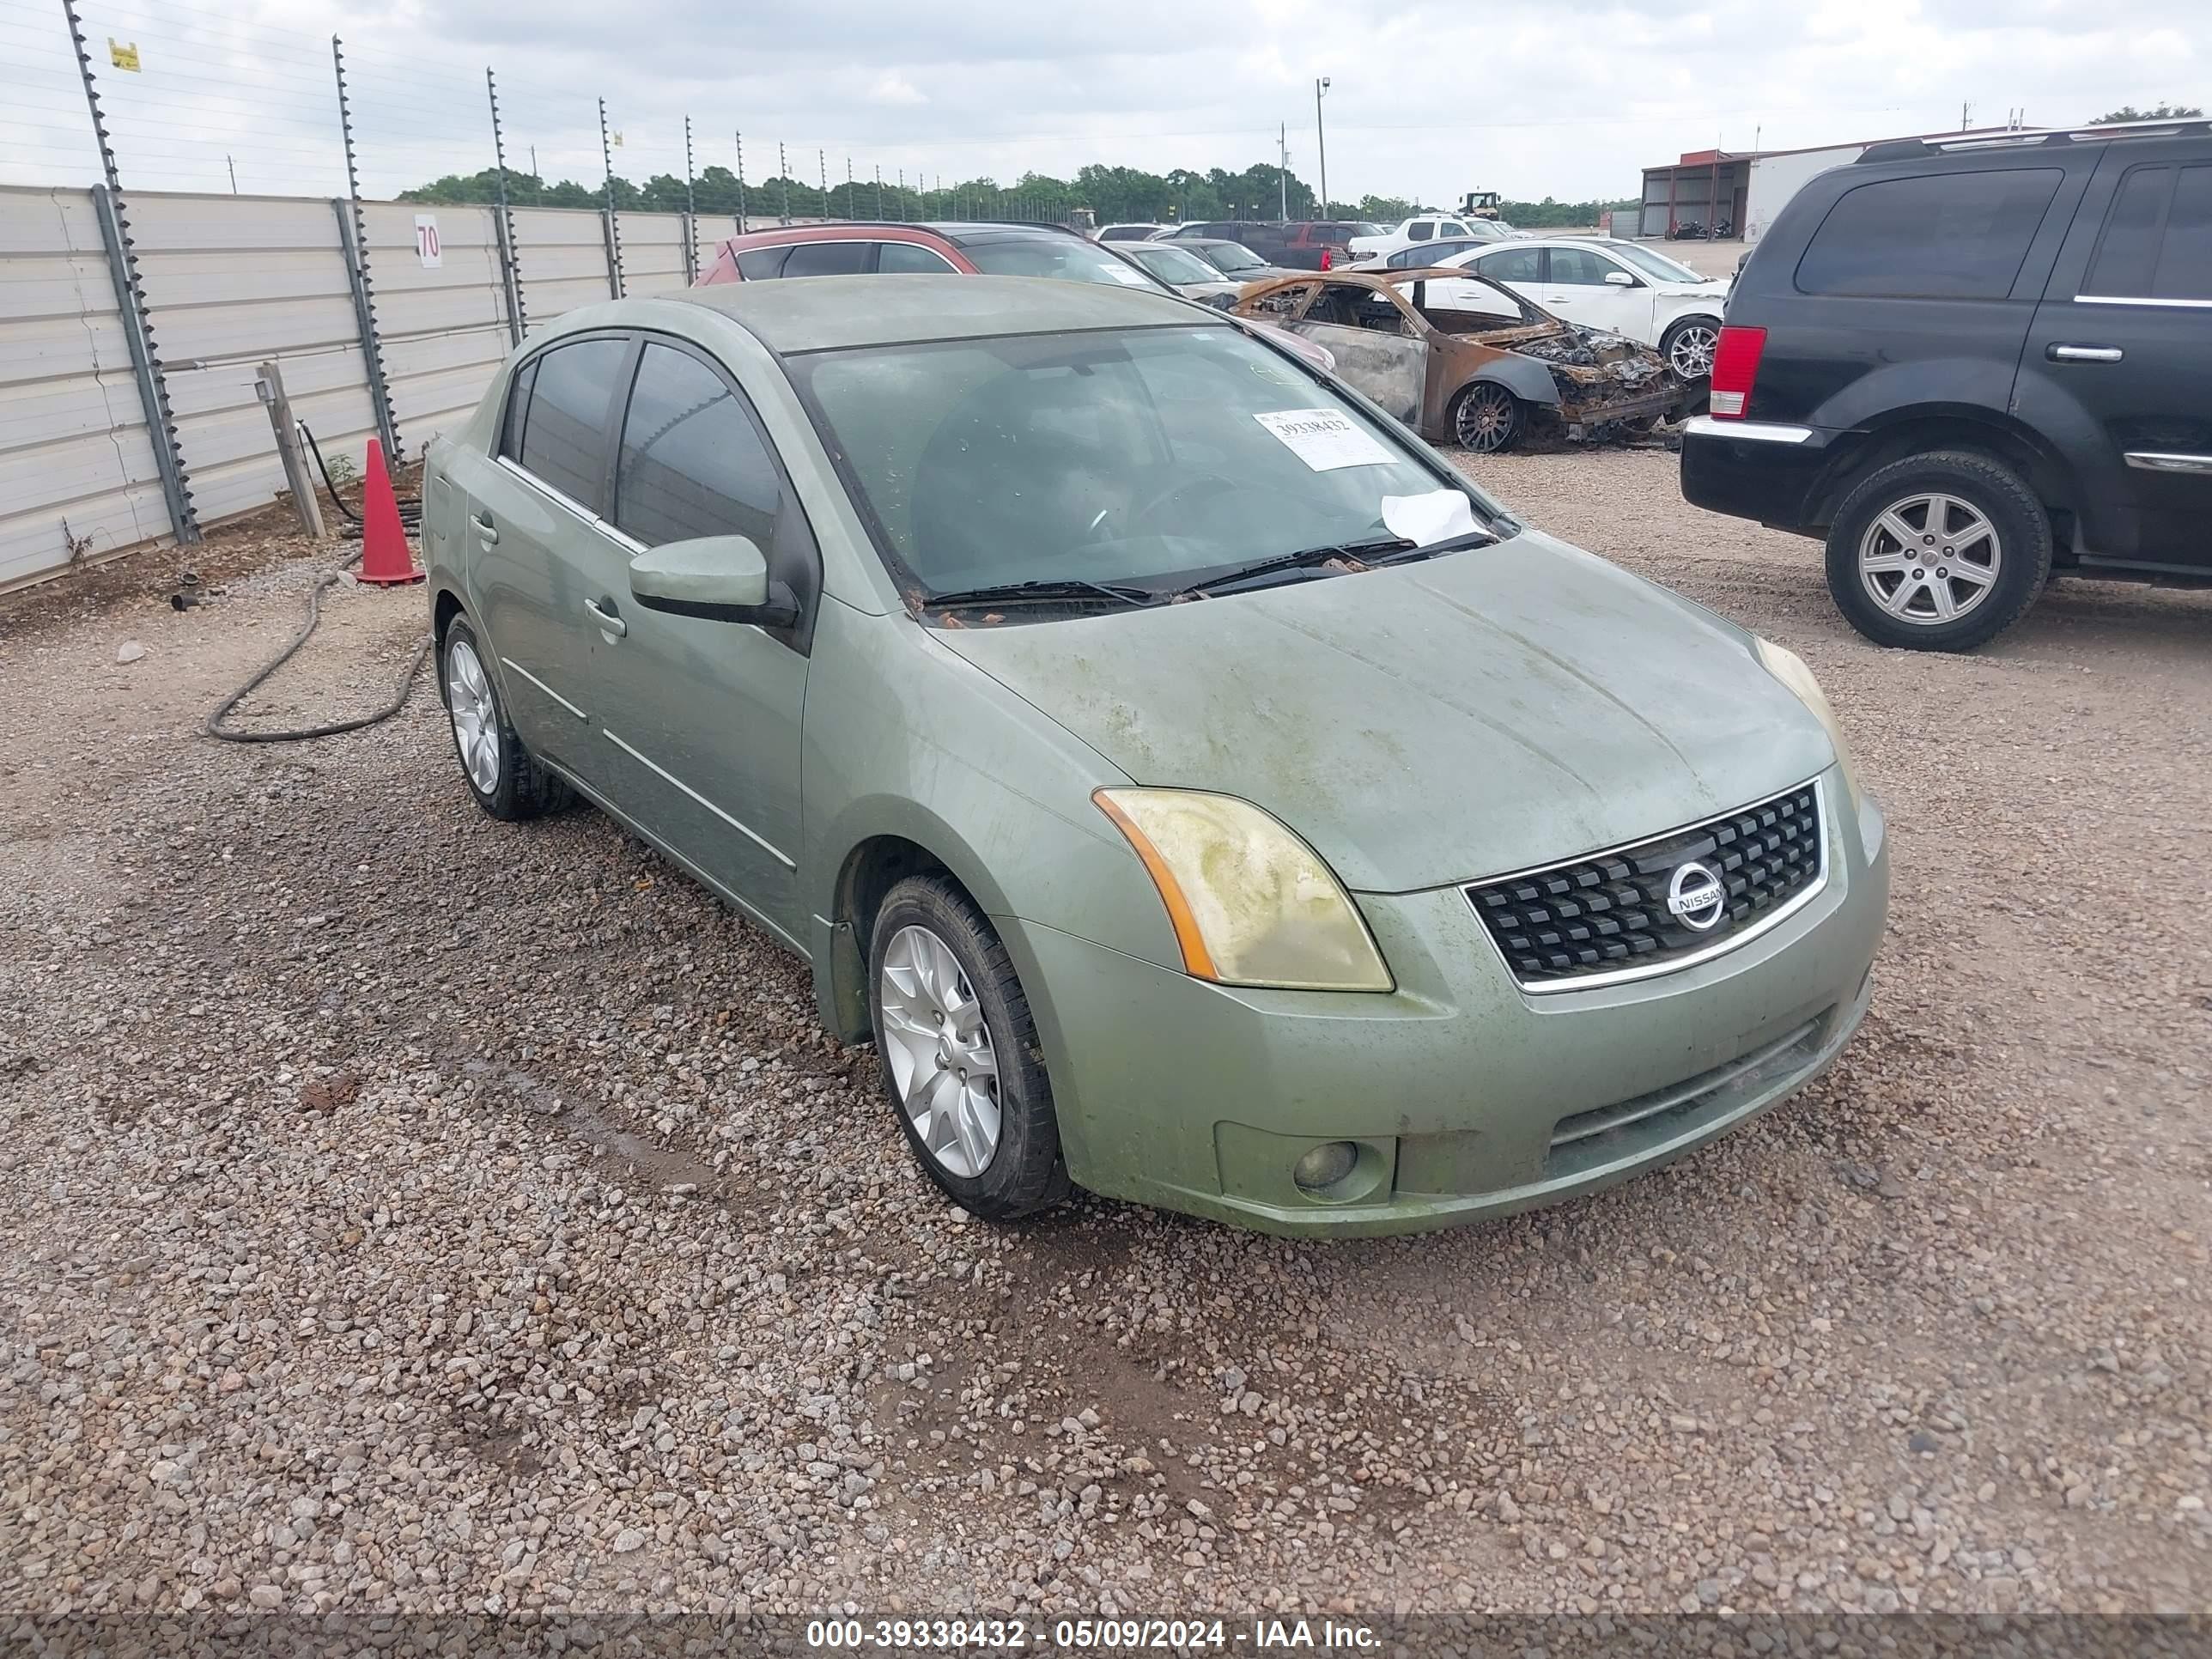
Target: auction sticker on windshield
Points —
{"points": [[1325, 438]]}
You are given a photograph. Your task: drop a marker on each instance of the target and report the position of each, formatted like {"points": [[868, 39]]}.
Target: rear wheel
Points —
{"points": [[1487, 418], [502, 774], [1940, 552]]}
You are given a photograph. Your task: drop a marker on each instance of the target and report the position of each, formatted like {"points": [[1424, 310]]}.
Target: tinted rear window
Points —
{"points": [[758, 264], [564, 433], [1945, 236], [2157, 241]]}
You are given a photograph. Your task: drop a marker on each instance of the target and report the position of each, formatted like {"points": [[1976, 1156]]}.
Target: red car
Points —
{"points": [[856, 248]]}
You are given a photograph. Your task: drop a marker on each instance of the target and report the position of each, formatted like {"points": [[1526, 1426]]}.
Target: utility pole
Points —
{"points": [[783, 176], [233, 165], [1283, 167], [1966, 116], [1321, 142], [822, 162]]}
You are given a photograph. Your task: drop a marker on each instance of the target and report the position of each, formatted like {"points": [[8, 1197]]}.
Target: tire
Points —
{"points": [[1022, 1170], [1487, 419], [1694, 339], [502, 774], [1904, 580]]}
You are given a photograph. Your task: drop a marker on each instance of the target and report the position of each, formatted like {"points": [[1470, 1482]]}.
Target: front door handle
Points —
{"points": [[2084, 353], [606, 618], [487, 532]]}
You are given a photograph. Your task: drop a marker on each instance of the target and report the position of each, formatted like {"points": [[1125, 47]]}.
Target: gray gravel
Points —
{"points": [[407, 1212]]}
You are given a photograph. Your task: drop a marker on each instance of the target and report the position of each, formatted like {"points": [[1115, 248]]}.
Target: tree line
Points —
{"points": [[1113, 195]]}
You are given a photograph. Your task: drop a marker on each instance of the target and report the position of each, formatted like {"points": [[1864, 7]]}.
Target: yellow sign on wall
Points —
{"points": [[122, 55]]}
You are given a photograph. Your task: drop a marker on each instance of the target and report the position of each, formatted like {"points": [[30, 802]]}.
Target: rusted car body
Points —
{"points": [[1462, 360]]}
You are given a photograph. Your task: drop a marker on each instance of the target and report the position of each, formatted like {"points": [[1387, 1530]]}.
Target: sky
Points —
{"points": [[1532, 98]]}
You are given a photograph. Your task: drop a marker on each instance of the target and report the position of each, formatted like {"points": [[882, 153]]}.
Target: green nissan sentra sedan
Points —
{"points": [[1196, 789]]}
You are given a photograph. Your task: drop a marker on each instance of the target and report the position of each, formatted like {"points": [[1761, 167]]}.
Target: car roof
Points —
{"points": [[827, 314]]}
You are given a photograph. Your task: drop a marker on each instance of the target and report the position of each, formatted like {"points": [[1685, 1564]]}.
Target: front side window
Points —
{"points": [[1143, 456], [692, 463], [2157, 240], [1578, 267], [827, 259], [1452, 228], [912, 258], [1943, 236], [564, 431]]}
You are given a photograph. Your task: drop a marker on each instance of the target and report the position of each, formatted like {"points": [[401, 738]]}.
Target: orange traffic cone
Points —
{"points": [[385, 557]]}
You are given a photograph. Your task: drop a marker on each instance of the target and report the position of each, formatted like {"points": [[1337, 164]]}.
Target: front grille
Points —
{"points": [[1608, 913]]}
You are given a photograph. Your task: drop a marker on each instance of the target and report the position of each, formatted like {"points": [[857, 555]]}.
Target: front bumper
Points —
{"points": [[1465, 1096]]}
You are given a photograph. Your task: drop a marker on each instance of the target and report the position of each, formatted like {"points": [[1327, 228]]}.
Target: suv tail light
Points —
{"points": [[1328, 256], [1735, 366]]}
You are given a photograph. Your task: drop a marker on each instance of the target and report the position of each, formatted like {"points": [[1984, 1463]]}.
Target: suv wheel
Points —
{"points": [[1940, 552]]}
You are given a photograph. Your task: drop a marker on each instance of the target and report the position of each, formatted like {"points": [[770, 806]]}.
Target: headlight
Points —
{"points": [[1789, 667], [1251, 903]]}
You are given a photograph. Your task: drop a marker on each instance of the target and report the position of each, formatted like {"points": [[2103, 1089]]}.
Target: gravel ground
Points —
{"points": [[407, 1212]]}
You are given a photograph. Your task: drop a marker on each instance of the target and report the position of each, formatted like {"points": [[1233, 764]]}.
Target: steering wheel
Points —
{"points": [[1212, 484]]}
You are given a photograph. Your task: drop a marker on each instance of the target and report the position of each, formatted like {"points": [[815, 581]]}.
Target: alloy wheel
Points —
{"points": [[1691, 353], [1930, 558], [1486, 419], [476, 716], [938, 1045]]}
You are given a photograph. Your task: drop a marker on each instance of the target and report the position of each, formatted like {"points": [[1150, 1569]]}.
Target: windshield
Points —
{"points": [[1173, 264], [1658, 265], [1072, 258], [1147, 456], [1233, 257]]}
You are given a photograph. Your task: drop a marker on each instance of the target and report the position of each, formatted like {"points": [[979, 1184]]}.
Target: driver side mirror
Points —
{"points": [[1619, 279], [720, 578]]}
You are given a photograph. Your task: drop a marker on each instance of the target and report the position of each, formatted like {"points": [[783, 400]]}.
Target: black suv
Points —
{"points": [[1970, 363]]}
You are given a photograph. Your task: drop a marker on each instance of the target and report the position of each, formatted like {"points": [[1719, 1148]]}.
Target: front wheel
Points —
{"points": [[1939, 552], [961, 1062], [1689, 347], [1487, 418]]}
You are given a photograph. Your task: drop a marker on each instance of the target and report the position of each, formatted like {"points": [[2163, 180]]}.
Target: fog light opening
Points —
{"points": [[1324, 1167]]}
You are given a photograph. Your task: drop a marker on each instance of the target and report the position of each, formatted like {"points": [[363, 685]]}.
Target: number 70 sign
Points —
{"points": [[427, 248]]}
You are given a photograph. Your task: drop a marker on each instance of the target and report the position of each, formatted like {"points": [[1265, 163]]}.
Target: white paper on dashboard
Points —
{"points": [[1325, 438], [1434, 516]]}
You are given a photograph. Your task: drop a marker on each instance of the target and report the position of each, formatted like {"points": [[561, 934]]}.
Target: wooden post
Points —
{"points": [[270, 386]]}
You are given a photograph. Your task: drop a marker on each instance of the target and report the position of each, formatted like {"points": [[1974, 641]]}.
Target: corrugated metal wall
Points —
{"points": [[232, 282], [73, 442], [442, 332], [562, 253]]}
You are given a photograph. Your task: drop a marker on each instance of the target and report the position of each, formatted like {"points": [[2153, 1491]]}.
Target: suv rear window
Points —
{"points": [[1942, 235], [2157, 243]]}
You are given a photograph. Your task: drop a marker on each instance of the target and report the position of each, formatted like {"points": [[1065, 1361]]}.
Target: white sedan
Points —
{"points": [[1619, 286]]}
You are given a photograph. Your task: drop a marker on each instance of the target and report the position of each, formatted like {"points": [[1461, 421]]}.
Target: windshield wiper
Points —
{"points": [[1380, 550], [1043, 592]]}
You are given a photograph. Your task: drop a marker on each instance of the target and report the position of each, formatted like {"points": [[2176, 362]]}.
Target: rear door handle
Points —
{"points": [[2086, 353], [606, 618], [487, 532]]}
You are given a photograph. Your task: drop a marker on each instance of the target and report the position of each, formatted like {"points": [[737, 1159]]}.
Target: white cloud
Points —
{"points": [[1568, 98]]}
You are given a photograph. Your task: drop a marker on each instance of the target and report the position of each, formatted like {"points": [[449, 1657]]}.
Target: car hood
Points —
{"points": [[1485, 711]]}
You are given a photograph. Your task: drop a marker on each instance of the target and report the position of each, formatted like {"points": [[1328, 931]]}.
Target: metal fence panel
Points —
{"points": [[442, 327], [562, 253], [653, 253], [73, 440], [231, 281]]}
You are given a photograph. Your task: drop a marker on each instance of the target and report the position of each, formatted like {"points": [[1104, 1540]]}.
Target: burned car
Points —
{"points": [[1463, 361]]}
